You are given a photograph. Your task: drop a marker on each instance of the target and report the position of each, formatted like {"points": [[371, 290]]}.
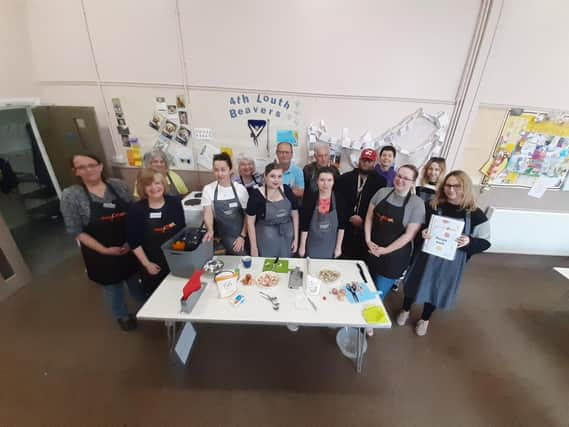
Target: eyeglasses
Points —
{"points": [[453, 186], [404, 178], [87, 167], [284, 152]]}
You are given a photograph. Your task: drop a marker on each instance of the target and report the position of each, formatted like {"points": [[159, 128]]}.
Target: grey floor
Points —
{"points": [[501, 358]]}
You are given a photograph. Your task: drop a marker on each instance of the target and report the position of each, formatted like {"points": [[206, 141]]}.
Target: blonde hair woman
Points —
{"points": [[433, 172], [435, 281], [154, 219]]}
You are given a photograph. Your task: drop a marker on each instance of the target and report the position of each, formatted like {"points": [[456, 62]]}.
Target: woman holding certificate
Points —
{"points": [[433, 280]]}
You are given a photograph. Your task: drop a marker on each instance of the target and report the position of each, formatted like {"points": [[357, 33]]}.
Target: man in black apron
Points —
{"points": [[229, 219], [107, 226]]}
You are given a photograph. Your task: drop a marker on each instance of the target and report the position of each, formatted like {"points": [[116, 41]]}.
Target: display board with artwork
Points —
{"points": [[531, 147]]}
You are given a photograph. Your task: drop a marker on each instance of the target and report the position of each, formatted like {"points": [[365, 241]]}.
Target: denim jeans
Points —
{"points": [[383, 285], [114, 296]]}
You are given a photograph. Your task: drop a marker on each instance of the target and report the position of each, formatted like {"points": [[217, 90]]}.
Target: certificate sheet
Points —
{"points": [[444, 231]]}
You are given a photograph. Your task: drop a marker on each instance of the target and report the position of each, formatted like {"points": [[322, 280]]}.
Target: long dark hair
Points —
{"points": [[271, 167]]}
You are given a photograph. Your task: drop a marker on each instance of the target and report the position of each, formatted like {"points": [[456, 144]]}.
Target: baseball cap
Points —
{"points": [[368, 154]]}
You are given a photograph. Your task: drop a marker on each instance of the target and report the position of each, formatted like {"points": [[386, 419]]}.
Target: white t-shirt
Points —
{"points": [[224, 193]]}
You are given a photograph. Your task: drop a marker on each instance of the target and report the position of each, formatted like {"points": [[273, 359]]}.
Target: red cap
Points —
{"points": [[368, 154]]}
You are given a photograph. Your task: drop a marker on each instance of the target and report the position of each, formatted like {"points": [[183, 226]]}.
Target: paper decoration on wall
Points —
{"points": [[416, 138], [290, 136], [532, 150], [182, 157], [256, 127], [227, 150], [180, 101], [161, 104], [183, 117], [205, 158], [183, 135], [169, 129], [203, 133]]}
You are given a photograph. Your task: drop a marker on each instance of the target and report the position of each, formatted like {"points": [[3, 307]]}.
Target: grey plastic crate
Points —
{"points": [[183, 263]]}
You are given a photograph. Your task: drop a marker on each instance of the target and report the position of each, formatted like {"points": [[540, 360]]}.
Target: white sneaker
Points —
{"points": [[421, 328], [402, 317], [292, 328]]}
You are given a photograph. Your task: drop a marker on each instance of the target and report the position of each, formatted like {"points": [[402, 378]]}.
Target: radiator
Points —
{"points": [[531, 232]]}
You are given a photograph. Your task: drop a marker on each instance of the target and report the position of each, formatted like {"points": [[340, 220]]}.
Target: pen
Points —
{"points": [[361, 272]]}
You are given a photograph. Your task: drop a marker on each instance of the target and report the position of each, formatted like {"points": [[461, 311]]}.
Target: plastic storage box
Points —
{"points": [[193, 211], [184, 263]]}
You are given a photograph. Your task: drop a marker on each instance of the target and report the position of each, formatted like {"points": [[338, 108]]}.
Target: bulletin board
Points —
{"points": [[531, 146]]}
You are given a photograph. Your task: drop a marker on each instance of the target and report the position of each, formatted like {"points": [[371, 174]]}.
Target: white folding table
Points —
{"points": [[164, 304]]}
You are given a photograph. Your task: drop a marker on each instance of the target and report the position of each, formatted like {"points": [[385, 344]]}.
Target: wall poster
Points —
{"points": [[531, 146]]}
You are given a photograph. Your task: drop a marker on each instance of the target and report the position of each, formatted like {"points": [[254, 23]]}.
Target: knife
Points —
{"points": [[275, 262]]}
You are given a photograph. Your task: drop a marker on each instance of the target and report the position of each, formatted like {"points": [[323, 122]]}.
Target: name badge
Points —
{"points": [[233, 205], [109, 205], [155, 215], [281, 213], [324, 226]]}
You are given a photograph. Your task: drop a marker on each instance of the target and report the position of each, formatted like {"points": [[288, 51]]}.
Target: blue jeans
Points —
{"points": [[383, 285], [114, 296]]}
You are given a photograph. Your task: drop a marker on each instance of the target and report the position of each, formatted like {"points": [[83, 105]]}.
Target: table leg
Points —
{"points": [[171, 334], [360, 349]]}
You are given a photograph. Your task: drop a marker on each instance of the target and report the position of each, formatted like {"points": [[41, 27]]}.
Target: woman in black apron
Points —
{"points": [[434, 281], [272, 217], [225, 201], [152, 221], [393, 219], [96, 213], [322, 219], [433, 172]]}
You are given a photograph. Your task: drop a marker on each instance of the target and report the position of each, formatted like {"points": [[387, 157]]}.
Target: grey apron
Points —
{"points": [[275, 232], [228, 220], [322, 232], [436, 280]]}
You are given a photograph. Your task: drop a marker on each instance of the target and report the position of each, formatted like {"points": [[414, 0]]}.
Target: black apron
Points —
{"points": [[229, 219], [107, 225], [387, 227], [158, 228]]}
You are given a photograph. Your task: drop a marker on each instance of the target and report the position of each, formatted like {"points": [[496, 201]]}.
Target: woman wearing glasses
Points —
{"points": [[434, 281], [433, 172], [393, 219], [95, 214]]}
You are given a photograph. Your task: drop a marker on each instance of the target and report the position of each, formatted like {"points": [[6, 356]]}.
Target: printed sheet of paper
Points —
{"points": [[444, 231], [205, 158]]}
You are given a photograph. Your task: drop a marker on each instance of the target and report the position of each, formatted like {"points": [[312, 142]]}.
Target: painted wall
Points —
{"points": [[17, 74], [365, 72]]}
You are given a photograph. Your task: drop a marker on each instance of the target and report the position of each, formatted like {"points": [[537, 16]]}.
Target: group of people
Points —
{"points": [[374, 213]]}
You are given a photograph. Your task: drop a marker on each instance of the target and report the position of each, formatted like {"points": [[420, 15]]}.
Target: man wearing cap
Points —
{"points": [[292, 174], [356, 189], [321, 159]]}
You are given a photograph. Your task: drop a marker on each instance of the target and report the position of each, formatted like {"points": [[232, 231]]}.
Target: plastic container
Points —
{"points": [[347, 340], [184, 263], [193, 211]]}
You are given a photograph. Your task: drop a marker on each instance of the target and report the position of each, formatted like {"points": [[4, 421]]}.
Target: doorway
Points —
{"points": [[29, 203]]}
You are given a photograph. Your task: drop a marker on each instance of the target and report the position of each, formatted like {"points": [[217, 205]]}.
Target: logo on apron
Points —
{"points": [[383, 218], [164, 229], [112, 217]]}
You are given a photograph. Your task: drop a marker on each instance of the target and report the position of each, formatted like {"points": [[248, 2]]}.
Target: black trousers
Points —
{"points": [[428, 308]]}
